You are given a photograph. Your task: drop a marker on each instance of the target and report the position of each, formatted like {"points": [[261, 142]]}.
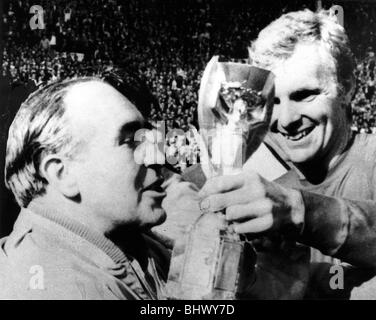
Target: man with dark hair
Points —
{"points": [[88, 198]]}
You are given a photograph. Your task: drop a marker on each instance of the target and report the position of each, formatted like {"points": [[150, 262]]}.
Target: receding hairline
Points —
{"points": [[84, 102], [84, 92]]}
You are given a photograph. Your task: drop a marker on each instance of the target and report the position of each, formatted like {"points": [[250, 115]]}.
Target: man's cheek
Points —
{"points": [[150, 213]]}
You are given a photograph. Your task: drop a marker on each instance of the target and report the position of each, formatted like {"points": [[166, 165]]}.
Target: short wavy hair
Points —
{"points": [[278, 40], [41, 127]]}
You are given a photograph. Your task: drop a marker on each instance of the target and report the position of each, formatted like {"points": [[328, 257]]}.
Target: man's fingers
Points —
{"points": [[256, 225], [218, 202], [221, 184], [249, 210]]}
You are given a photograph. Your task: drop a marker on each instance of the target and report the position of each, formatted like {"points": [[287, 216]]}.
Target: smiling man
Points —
{"points": [[87, 200], [327, 199], [310, 120]]}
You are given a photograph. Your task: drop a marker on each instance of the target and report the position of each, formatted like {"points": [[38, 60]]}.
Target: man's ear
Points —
{"points": [[350, 90], [346, 97], [59, 175]]}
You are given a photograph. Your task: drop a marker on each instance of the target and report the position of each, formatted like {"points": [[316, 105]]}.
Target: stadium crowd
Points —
{"points": [[167, 42]]}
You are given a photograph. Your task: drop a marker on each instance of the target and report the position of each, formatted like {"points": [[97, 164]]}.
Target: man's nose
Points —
{"points": [[153, 157], [153, 161], [286, 115], [151, 150]]}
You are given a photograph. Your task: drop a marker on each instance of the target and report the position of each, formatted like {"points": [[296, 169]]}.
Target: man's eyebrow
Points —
{"points": [[128, 129], [303, 93]]}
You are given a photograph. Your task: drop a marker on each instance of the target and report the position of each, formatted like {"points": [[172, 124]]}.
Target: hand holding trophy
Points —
{"points": [[210, 261]]}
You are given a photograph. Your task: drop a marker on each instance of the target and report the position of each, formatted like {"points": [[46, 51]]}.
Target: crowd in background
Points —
{"points": [[167, 42]]}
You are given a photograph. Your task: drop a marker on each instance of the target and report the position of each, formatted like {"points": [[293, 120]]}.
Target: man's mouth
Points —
{"points": [[295, 136], [155, 186]]}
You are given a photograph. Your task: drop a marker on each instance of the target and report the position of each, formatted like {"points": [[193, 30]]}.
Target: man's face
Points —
{"points": [[111, 183], [309, 118]]}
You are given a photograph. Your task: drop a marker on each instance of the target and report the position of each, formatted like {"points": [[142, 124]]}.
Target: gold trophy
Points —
{"points": [[211, 261]]}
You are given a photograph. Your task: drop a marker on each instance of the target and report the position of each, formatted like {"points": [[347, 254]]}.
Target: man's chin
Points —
{"points": [[161, 214], [155, 217], [301, 157]]}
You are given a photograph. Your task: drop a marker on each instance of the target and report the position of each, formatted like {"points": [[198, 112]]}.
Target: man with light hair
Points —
{"points": [[87, 198], [327, 199]]}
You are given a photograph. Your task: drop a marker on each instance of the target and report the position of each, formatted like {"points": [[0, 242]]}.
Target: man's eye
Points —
{"points": [[130, 142], [305, 95]]}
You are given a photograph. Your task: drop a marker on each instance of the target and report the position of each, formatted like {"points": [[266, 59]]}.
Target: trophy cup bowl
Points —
{"points": [[210, 261], [234, 113]]}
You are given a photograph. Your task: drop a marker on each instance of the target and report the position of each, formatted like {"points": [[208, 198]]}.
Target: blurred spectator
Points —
{"points": [[53, 41], [45, 43]]}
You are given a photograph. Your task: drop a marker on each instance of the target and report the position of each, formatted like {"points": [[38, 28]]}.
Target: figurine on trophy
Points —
{"points": [[211, 261]]}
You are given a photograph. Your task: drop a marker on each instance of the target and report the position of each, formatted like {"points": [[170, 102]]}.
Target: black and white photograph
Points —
{"points": [[194, 150]]}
